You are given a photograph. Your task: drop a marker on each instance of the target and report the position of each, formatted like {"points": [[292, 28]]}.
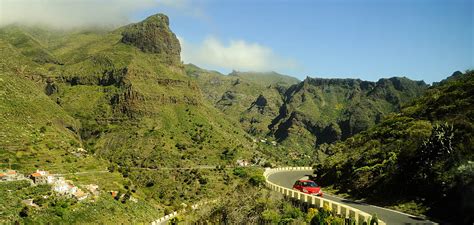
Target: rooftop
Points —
{"points": [[36, 175]]}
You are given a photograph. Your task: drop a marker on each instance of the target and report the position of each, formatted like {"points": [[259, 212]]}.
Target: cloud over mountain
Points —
{"points": [[76, 13], [236, 54]]}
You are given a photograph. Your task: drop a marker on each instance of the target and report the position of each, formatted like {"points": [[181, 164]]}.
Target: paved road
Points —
{"points": [[287, 179]]}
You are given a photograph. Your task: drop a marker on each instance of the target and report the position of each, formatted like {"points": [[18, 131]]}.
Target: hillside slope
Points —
{"points": [[249, 97], [303, 115], [318, 111], [125, 98], [423, 155], [34, 129]]}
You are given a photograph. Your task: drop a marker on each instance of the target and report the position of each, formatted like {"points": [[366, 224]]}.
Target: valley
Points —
{"points": [[119, 109]]}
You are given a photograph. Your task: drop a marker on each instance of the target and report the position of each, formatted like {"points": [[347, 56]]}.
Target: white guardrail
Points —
{"points": [[336, 207], [174, 214]]}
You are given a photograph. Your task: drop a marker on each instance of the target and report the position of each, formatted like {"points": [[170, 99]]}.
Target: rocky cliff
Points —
{"points": [[153, 35]]}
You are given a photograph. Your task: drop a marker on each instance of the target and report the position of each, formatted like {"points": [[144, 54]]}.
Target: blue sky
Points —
{"points": [[367, 39]]}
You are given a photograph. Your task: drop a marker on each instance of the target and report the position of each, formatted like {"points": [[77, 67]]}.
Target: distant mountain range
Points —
{"points": [[304, 114]]}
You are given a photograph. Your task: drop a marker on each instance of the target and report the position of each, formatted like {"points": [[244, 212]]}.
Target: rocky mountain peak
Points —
{"points": [[153, 35]]}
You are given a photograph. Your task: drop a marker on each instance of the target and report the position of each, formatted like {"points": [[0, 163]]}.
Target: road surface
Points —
{"points": [[389, 216]]}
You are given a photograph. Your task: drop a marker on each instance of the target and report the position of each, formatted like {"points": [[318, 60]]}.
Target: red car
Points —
{"points": [[308, 187]]}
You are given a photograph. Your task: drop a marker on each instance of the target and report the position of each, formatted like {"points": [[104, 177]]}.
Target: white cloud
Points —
{"points": [[76, 13], [237, 54]]}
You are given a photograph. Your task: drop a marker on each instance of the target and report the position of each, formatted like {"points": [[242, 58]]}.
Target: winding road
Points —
{"points": [[287, 179]]}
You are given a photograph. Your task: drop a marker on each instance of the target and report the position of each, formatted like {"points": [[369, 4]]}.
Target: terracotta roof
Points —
{"points": [[79, 193], [11, 172], [1, 174], [36, 174]]}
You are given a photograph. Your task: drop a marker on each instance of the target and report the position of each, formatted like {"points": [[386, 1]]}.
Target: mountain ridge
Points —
{"points": [[302, 115]]}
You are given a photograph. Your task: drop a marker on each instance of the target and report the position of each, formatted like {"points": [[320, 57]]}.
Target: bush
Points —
{"points": [[240, 172], [271, 216], [257, 180], [24, 212]]}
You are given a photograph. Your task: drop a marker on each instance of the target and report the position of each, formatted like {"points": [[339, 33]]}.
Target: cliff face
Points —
{"points": [[153, 35], [253, 99], [327, 110], [303, 115]]}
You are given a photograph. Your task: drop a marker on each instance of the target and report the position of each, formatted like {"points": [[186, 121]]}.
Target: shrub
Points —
{"points": [[271, 216], [257, 180], [240, 172]]}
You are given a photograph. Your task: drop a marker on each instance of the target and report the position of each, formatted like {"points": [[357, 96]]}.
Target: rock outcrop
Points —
{"points": [[335, 109], [153, 35]]}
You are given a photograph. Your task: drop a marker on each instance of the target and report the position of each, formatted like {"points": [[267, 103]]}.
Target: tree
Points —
{"points": [[24, 212]]}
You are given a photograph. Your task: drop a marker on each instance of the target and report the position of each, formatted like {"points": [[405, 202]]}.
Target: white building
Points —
{"points": [[242, 162], [61, 186], [42, 177]]}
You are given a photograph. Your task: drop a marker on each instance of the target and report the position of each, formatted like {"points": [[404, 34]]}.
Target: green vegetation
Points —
{"points": [[50, 208], [302, 115], [418, 160], [253, 99], [249, 205], [140, 114], [318, 111], [133, 110]]}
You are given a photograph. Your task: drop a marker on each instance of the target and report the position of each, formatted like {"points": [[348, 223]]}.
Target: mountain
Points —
{"points": [[265, 78], [124, 97], [420, 159], [303, 115], [135, 83], [318, 111], [249, 97], [120, 110], [30, 120]]}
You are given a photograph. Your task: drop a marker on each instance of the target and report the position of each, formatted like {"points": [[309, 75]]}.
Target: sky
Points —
{"points": [[367, 39]]}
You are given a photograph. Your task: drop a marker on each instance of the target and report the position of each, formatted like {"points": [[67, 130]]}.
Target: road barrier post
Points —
{"points": [[338, 208]]}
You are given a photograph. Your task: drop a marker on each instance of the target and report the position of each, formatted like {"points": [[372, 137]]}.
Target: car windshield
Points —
{"points": [[309, 184]]}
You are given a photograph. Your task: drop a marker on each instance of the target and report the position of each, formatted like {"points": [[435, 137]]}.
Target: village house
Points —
{"points": [[62, 187], [79, 195], [10, 175], [113, 193], [65, 187], [42, 177], [93, 188], [242, 162], [29, 202]]}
